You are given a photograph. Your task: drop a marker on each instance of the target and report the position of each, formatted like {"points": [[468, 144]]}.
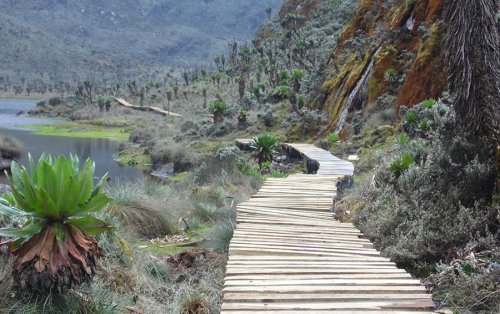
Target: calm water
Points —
{"points": [[99, 150]]}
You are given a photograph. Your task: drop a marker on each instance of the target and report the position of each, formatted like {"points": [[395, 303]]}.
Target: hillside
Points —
{"points": [[90, 37], [406, 91]]}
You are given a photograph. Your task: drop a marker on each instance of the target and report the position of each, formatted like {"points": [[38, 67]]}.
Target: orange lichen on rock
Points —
{"points": [[339, 88], [365, 19], [427, 11], [427, 76], [378, 85], [399, 14]]}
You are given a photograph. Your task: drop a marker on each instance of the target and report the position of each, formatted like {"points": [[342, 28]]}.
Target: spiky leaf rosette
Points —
{"points": [[263, 146], [55, 248]]}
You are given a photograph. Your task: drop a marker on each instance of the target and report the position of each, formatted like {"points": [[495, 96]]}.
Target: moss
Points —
{"points": [[399, 14], [134, 156], [427, 77], [210, 147], [179, 177], [378, 85], [81, 130], [342, 86], [365, 19]]}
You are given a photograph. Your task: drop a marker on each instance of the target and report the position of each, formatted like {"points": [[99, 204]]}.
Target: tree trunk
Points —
{"points": [[473, 64]]}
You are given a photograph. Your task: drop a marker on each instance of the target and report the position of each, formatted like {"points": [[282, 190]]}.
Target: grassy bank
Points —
{"points": [[82, 130], [168, 251]]}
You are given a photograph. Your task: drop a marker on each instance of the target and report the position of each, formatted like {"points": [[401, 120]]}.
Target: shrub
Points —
{"points": [[264, 148], [435, 208], [55, 101], [333, 137], [402, 139], [429, 103], [219, 109], [55, 249], [10, 148], [391, 75], [401, 163]]}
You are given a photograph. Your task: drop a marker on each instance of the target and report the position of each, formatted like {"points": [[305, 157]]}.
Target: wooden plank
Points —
{"points": [[329, 289], [289, 255], [374, 305], [267, 311], [271, 297]]}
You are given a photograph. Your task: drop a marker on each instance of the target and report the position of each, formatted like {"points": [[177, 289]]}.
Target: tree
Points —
{"points": [[241, 87], [101, 102], [137, 91], [204, 90], [269, 11], [55, 247], [473, 64], [107, 103], [219, 109], [89, 88], [263, 147], [297, 76], [185, 75]]}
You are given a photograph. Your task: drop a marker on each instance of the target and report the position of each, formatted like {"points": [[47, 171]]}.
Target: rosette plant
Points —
{"points": [[55, 204], [263, 147]]}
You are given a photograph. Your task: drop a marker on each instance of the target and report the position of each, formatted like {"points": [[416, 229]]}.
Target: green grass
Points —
{"points": [[82, 130], [134, 158], [179, 178]]}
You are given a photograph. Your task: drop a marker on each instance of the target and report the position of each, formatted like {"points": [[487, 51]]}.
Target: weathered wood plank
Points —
{"points": [[289, 255]]}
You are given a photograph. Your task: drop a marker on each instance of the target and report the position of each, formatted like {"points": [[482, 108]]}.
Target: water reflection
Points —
{"points": [[99, 150]]}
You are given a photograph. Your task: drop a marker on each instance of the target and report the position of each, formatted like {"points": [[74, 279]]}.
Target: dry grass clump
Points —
{"points": [[140, 206], [10, 148]]}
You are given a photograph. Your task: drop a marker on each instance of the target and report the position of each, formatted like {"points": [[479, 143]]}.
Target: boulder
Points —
{"points": [[4, 188], [5, 164]]}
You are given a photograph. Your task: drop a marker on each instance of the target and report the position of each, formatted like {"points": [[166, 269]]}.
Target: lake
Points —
{"points": [[99, 150]]}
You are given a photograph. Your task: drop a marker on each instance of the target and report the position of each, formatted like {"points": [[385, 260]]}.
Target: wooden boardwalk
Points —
{"points": [[289, 255], [125, 103]]}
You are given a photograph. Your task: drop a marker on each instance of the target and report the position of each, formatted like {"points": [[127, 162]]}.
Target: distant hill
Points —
{"points": [[65, 38]]}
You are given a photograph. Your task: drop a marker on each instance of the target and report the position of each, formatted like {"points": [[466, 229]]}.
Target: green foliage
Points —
{"points": [[391, 75], [333, 137], [219, 107], [429, 103], [283, 91], [424, 125], [438, 207], [264, 146], [401, 164], [402, 139], [411, 117], [332, 5], [54, 193], [298, 74]]}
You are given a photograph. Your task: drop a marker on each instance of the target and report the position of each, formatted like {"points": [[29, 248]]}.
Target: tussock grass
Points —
{"points": [[140, 206], [10, 148]]}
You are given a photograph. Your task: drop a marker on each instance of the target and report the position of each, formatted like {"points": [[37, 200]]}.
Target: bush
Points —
{"points": [[333, 137], [55, 247], [429, 103], [55, 101], [438, 202], [401, 163], [391, 75], [402, 139], [10, 148], [138, 206]]}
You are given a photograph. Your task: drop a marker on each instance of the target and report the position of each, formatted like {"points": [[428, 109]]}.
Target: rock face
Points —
{"points": [[5, 164], [381, 55], [401, 44], [4, 188]]}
